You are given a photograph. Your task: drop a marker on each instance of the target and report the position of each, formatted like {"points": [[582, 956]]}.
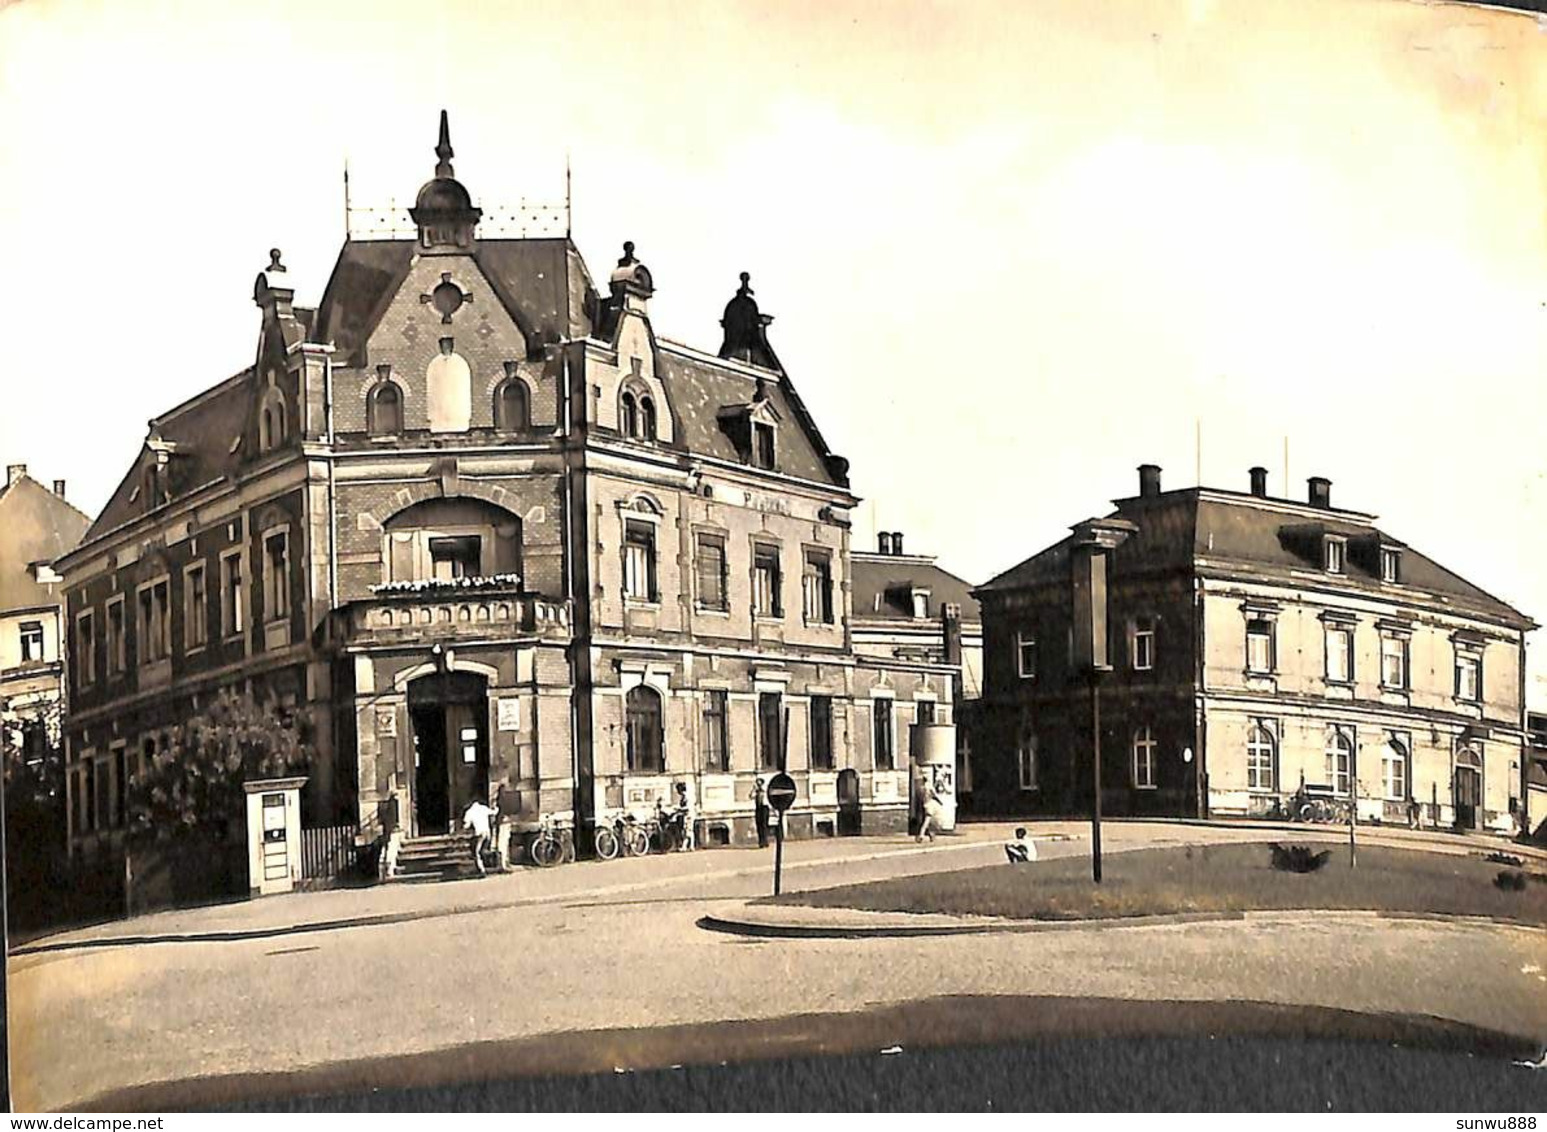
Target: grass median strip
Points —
{"points": [[1201, 879]]}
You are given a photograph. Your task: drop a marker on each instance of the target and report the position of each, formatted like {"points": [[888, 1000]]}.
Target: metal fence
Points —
{"points": [[328, 852]]}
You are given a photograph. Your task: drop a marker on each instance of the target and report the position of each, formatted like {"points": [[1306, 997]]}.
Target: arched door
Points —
{"points": [[1468, 788], [848, 802]]}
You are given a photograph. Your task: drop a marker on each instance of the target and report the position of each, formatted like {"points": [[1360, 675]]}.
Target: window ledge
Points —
{"points": [[772, 618], [640, 602], [712, 611], [194, 650], [1151, 786]]}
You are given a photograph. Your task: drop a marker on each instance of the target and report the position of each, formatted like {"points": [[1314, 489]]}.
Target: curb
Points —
{"points": [[776, 930]]}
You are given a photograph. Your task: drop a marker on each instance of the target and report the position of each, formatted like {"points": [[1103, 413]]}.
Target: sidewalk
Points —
{"points": [[332, 909]]}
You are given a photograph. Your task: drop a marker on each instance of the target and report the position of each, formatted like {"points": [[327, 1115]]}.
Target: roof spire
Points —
{"points": [[443, 148]]}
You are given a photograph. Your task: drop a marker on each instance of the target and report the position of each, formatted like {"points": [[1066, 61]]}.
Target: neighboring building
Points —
{"points": [[1535, 808], [1258, 643], [908, 608], [491, 531], [39, 526]]}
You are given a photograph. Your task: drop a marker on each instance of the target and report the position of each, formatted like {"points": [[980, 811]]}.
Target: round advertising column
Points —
{"points": [[934, 768]]}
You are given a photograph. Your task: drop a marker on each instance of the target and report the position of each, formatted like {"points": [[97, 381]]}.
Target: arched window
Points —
{"points": [[272, 422], [1260, 757], [510, 407], [643, 709], [1143, 759], [1340, 760], [629, 417], [646, 418], [384, 411], [1394, 774]]}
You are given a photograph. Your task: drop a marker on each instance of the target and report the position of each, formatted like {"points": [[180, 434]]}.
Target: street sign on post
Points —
{"points": [[781, 795]]}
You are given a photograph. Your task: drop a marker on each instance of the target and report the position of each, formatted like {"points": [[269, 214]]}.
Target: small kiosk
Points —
{"points": [[273, 834], [933, 749]]}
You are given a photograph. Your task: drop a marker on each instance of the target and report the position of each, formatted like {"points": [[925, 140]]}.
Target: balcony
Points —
{"points": [[450, 614]]}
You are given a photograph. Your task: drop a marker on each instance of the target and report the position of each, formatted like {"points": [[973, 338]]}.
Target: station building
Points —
{"points": [[1259, 644], [497, 537]]}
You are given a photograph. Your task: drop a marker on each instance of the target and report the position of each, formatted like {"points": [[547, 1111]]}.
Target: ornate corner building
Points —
{"points": [[494, 535], [1259, 644]]}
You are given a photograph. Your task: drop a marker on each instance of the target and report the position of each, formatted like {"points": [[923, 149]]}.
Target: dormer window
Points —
{"points": [[384, 411], [763, 445], [1390, 565], [1335, 554], [920, 604], [273, 428]]}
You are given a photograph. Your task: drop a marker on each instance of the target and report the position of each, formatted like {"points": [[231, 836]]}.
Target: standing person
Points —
{"points": [[686, 816], [760, 812], [1019, 850], [476, 820], [934, 807]]}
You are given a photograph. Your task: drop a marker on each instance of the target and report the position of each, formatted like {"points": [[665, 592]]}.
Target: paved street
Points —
{"points": [[616, 947]]}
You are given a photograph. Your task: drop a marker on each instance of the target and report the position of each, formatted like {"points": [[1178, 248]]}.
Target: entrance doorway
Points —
{"points": [[1468, 788], [848, 802], [450, 716]]}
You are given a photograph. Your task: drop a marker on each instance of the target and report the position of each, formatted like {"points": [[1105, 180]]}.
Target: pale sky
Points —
{"points": [[1013, 250]]}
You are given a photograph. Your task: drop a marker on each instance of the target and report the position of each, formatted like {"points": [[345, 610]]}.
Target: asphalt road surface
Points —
{"points": [[497, 992]]}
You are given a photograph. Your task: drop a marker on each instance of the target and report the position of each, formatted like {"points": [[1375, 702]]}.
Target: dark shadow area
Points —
{"points": [[962, 1052]]}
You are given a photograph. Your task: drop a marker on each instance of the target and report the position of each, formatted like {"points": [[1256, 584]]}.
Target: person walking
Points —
{"points": [[476, 820], [934, 809], [760, 812]]}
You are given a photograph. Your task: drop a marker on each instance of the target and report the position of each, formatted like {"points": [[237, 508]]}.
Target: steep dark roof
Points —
{"points": [[893, 578], [542, 283], [1242, 533], [38, 526], [202, 431], [698, 390]]}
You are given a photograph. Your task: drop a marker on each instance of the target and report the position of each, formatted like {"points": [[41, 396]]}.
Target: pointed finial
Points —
{"points": [[746, 284], [443, 148], [628, 254], [274, 264]]}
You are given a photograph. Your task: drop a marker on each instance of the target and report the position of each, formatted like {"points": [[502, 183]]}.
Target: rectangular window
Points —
{"points": [[276, 576], [710, 565], [85, 649], [1394, 769], [765, 582], [1393, 662], [1469, 677], [763, 446], [1026, 656], [821, 733], [454, 558], [153, 627], [1337, 554], [1259, 646], [1340, 655], [195, 608], [770, 731], [116, 639], [924, 711], [1390, 566], [716, 732], [817, 589], [639, 560], [121, 786], [1143, 759], [881, 734], [231, 594], [1026, 760], [31, 642], [89, 811], [1144, 646]]}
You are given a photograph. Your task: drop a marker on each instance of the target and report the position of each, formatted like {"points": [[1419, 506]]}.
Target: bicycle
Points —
{"points": [[548, 846], [624, 835]]}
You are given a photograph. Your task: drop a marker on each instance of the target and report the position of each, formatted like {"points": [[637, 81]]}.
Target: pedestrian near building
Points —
{"points": [[686, 816], [934, 809], [760, 812], [476, 820]]}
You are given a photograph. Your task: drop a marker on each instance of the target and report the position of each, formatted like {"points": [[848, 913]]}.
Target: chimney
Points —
{"points": [[884, 542], [1149, 480], [896, 542], [14, 472], [1259, 482], [951, 627], [1320, 491]]}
